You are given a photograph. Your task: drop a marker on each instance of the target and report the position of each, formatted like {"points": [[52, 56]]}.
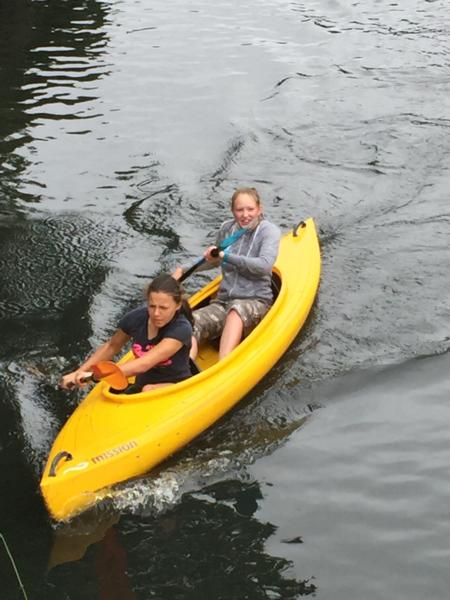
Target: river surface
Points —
{"points": [[125, 126]]}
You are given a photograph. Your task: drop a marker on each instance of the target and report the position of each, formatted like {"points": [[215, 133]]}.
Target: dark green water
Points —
{"points": [[124, 128]]}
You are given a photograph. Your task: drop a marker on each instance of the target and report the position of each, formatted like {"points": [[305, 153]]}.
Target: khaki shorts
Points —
{"points": [[209, 321]]}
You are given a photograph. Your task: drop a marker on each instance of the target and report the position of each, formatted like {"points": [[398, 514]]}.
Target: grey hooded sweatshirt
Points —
{"points": [[248, 262]]}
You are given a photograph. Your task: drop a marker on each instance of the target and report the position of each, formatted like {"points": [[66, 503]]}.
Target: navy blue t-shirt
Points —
{"points": [[176, 368]]}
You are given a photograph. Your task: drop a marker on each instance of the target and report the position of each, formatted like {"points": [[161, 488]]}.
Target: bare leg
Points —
{"points": [[194, 349], [153, 386], [231, 334]]}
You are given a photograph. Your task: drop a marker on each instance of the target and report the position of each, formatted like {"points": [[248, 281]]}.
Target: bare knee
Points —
{"points": [[194, 349], [232, 333], [234, 322], [153, 386]]}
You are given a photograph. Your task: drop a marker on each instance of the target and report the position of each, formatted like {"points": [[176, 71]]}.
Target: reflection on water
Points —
{"points": [[51, 57], [210, 546], [70, 541]]}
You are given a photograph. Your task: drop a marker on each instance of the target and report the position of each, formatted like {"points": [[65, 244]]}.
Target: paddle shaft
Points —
{"points": [[215, 252]]}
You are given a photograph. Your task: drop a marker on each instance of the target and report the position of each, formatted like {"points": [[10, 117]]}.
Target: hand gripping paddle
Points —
{"points": [[223, 246], [106, 370]]}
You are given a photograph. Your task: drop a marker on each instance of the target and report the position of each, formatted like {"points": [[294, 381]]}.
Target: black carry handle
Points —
{"points": [[295, 229], [55, 461]]}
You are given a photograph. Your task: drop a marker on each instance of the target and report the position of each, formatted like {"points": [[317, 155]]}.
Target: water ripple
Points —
{"points": [[48, 263]]}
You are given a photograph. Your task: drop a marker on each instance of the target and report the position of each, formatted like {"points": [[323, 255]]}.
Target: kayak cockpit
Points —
{"points": [[208, 353]]}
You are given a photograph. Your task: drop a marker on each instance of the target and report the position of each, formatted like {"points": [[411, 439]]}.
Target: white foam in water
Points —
{"points": [[193, 469], [38, 424], [143, 495], [156, 493]]}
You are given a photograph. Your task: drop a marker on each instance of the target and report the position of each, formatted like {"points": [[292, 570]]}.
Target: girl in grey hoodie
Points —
{"points": [[245, 293]]}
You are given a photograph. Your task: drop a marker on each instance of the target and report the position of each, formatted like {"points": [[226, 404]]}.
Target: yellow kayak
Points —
{"points": [[112, 437]]}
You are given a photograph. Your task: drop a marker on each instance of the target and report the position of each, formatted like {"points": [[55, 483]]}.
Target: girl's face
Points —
{"points": [[245, 209], [161, 308]]}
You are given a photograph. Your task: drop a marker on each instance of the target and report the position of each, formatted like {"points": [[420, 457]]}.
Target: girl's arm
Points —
{"points": [[106, 351], [159, 353]]}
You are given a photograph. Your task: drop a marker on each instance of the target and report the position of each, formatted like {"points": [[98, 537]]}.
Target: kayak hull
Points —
{"points": [[114, 437]]}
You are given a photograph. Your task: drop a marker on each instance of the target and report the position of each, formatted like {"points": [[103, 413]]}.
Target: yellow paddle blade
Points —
{"points": [[111, 373]]}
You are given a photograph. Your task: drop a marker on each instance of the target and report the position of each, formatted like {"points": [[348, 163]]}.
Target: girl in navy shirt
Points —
{"points": [[160, 333]]}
